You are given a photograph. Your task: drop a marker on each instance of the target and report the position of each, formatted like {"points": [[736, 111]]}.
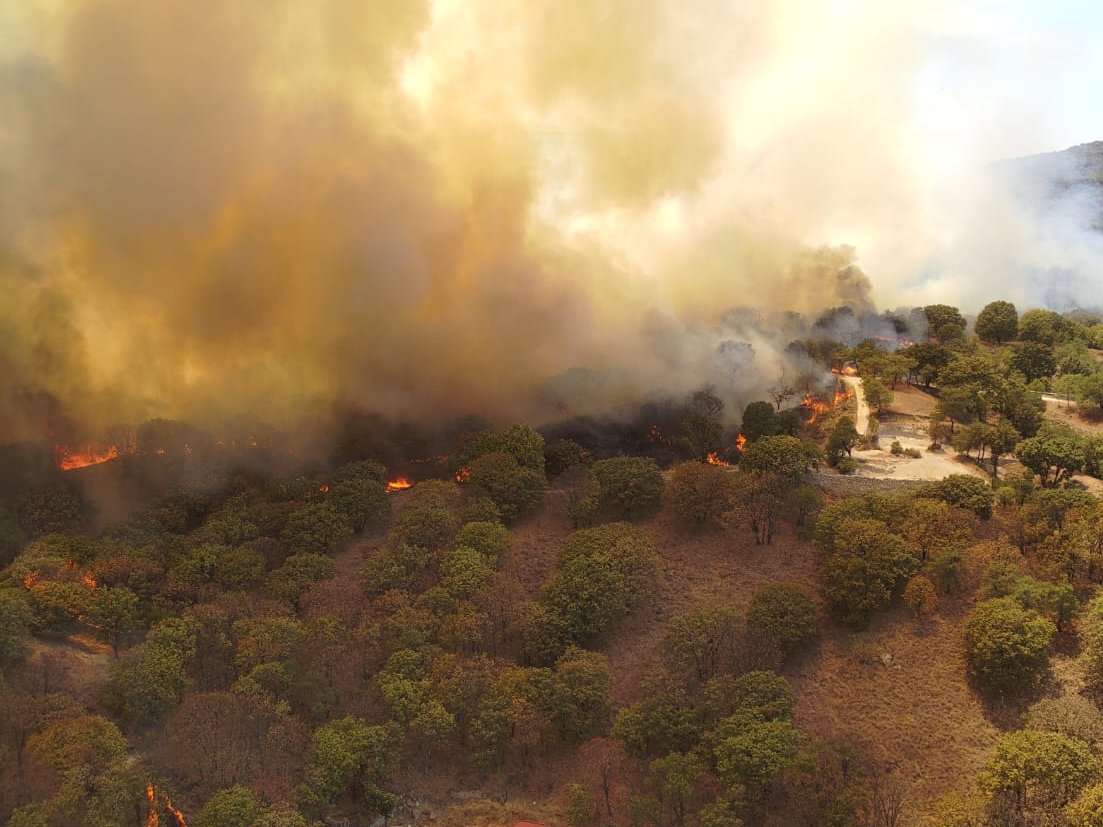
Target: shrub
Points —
{"points": [[1091, 642], [920, 596], [847, 466], [787, 612], [1072, 715], [1087, 809], [896, 447], [1006, 646]]}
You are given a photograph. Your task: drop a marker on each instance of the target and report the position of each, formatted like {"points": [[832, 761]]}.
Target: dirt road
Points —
{"points": [[855, 385]]}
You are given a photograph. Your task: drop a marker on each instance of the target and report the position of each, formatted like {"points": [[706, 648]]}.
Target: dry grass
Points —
{"points": [[914, 711]]}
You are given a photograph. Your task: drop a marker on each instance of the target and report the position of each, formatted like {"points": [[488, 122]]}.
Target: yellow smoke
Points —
{"points": [[266, 207]]}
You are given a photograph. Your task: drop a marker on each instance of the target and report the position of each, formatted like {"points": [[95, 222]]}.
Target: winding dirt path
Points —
{"points": [[855, 385]]}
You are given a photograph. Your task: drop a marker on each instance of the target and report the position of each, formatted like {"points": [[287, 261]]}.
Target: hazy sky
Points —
{"points": [[1015, 76]]}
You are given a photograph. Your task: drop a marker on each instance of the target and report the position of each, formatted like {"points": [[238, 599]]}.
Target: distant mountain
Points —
{"points": [[1071, 179]]}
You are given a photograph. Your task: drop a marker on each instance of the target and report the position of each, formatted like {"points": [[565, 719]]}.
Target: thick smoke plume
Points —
{"points": [[217, 209]]}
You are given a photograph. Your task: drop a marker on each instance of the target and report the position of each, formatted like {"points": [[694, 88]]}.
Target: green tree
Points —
{"points": [[297, 574], [676, 777], [1044, 326], [112, 612], [1001, 440], [1034, 361], [16, 619], [663, 721], [563, 455], [697, 641], [44, 512], [997, 322], [281, 814], [603, 572], [490, 539], [523, 444], [961, 491], [702, 425], [786, 612], [698, 493], [940, 315], [876, 392], [149, 679], [759, 420], [1054, 455], [783, 455], [316, 527], [1039, 768], [582, 694], [232, 807], [362, 500], [844, 437], [932, 526], [630, 486], [1090, 389], [859, 576], [748, 753], [1006, 646], [351, 755], [514, 488]]}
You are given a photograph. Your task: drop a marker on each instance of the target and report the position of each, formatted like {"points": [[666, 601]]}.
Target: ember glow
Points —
{"points": [[463, 474], [400, 484], [70, 460]]}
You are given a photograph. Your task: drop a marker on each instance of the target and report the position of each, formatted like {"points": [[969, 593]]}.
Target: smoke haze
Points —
{"points": [[432, 208]]}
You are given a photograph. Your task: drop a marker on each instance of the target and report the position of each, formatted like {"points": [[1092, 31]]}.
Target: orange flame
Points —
{"points": [[89, 581], [741, 442], [400, 484], [841, 395], [151, 817], [463, 475], [70, 460], [714, 459], [179, 816], [818, 406], [323, 488], [846, 370]]}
